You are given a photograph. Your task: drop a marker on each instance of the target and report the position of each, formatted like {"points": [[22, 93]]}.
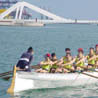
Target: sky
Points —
{"points": [[70, 9]]}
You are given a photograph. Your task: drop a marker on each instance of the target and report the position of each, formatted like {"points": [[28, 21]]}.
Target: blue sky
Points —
{"points": [[72, 9]]}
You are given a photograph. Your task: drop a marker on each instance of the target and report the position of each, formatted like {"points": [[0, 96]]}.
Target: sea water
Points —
{"points": [[51, 38]]}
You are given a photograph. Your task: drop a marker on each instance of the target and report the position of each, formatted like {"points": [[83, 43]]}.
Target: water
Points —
{"points": [[51, 38]]}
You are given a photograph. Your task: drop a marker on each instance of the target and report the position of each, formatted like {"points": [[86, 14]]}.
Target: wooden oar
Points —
{"points": [[84, 73], [89, 75], [6, 76], [6, 73]]}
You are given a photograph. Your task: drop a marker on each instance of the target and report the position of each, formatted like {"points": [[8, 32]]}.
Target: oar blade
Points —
{"points": [[7, 78]]}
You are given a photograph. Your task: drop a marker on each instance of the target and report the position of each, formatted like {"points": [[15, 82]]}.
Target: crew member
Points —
{"points": [[63, 59], [91, 57], [80, 60], [25, 60], [55, 63], [96, 53], [69, 63], [46, 64]]}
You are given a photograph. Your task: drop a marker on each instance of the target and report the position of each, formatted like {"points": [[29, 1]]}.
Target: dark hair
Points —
{"points": [[67, 49], [53, 54], [91, 48], [30, 49]]}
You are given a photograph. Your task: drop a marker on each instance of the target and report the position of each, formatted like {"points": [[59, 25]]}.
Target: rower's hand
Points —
{"points": [[94, 57], [51, 63], [83, 59], [62, 65]]}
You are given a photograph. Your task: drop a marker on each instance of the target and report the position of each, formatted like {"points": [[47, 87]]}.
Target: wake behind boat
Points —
{"points": [[31, 80]]}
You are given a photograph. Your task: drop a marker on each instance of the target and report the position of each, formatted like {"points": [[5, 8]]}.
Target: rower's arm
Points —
{"points": [[55, 62], [94, 57], [97, 56], [73, 61], [69, 63], [42, 63], [60, 62], [81, 60], [45, 63]]}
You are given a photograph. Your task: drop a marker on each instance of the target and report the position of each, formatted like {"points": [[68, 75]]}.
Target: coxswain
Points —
{"points": [[25, 60]]}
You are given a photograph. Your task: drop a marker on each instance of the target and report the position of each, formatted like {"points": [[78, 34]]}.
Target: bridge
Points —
{"points": [[19, 6]]}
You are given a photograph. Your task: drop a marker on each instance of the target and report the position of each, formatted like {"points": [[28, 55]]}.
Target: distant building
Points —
{"points": [[5, 4]]}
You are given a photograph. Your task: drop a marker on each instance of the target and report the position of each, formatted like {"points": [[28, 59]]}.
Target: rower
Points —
{"points": [[80, 60], [63, 60], [96, 53], [69, 63], [55, 63], [25, 60], [46, 64], [91, 58]]}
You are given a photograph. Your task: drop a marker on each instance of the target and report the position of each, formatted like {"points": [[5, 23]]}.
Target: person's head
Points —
{"points": [[30, 50], [47, 56], [53, 55], [96, 47], [91, 52], [69, 57], [67, 50], [80, 52]]}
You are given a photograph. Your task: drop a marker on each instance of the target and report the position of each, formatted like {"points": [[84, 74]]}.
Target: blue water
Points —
{"points": [[51, 38]]}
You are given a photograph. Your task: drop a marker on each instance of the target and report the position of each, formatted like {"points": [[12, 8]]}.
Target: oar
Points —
{"points": [[6, 76], [92, 70], [84, 73], [6, 73], [89, 75]]}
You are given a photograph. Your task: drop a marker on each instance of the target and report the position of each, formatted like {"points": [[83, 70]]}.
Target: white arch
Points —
{"points": [[14, 7], [19, 8]]}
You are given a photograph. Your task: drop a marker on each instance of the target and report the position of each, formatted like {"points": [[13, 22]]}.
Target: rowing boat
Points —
{"points": [[31, 80]]}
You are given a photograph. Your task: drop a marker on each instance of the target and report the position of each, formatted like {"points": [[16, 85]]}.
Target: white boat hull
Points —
{"points": [[25, 80]]}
